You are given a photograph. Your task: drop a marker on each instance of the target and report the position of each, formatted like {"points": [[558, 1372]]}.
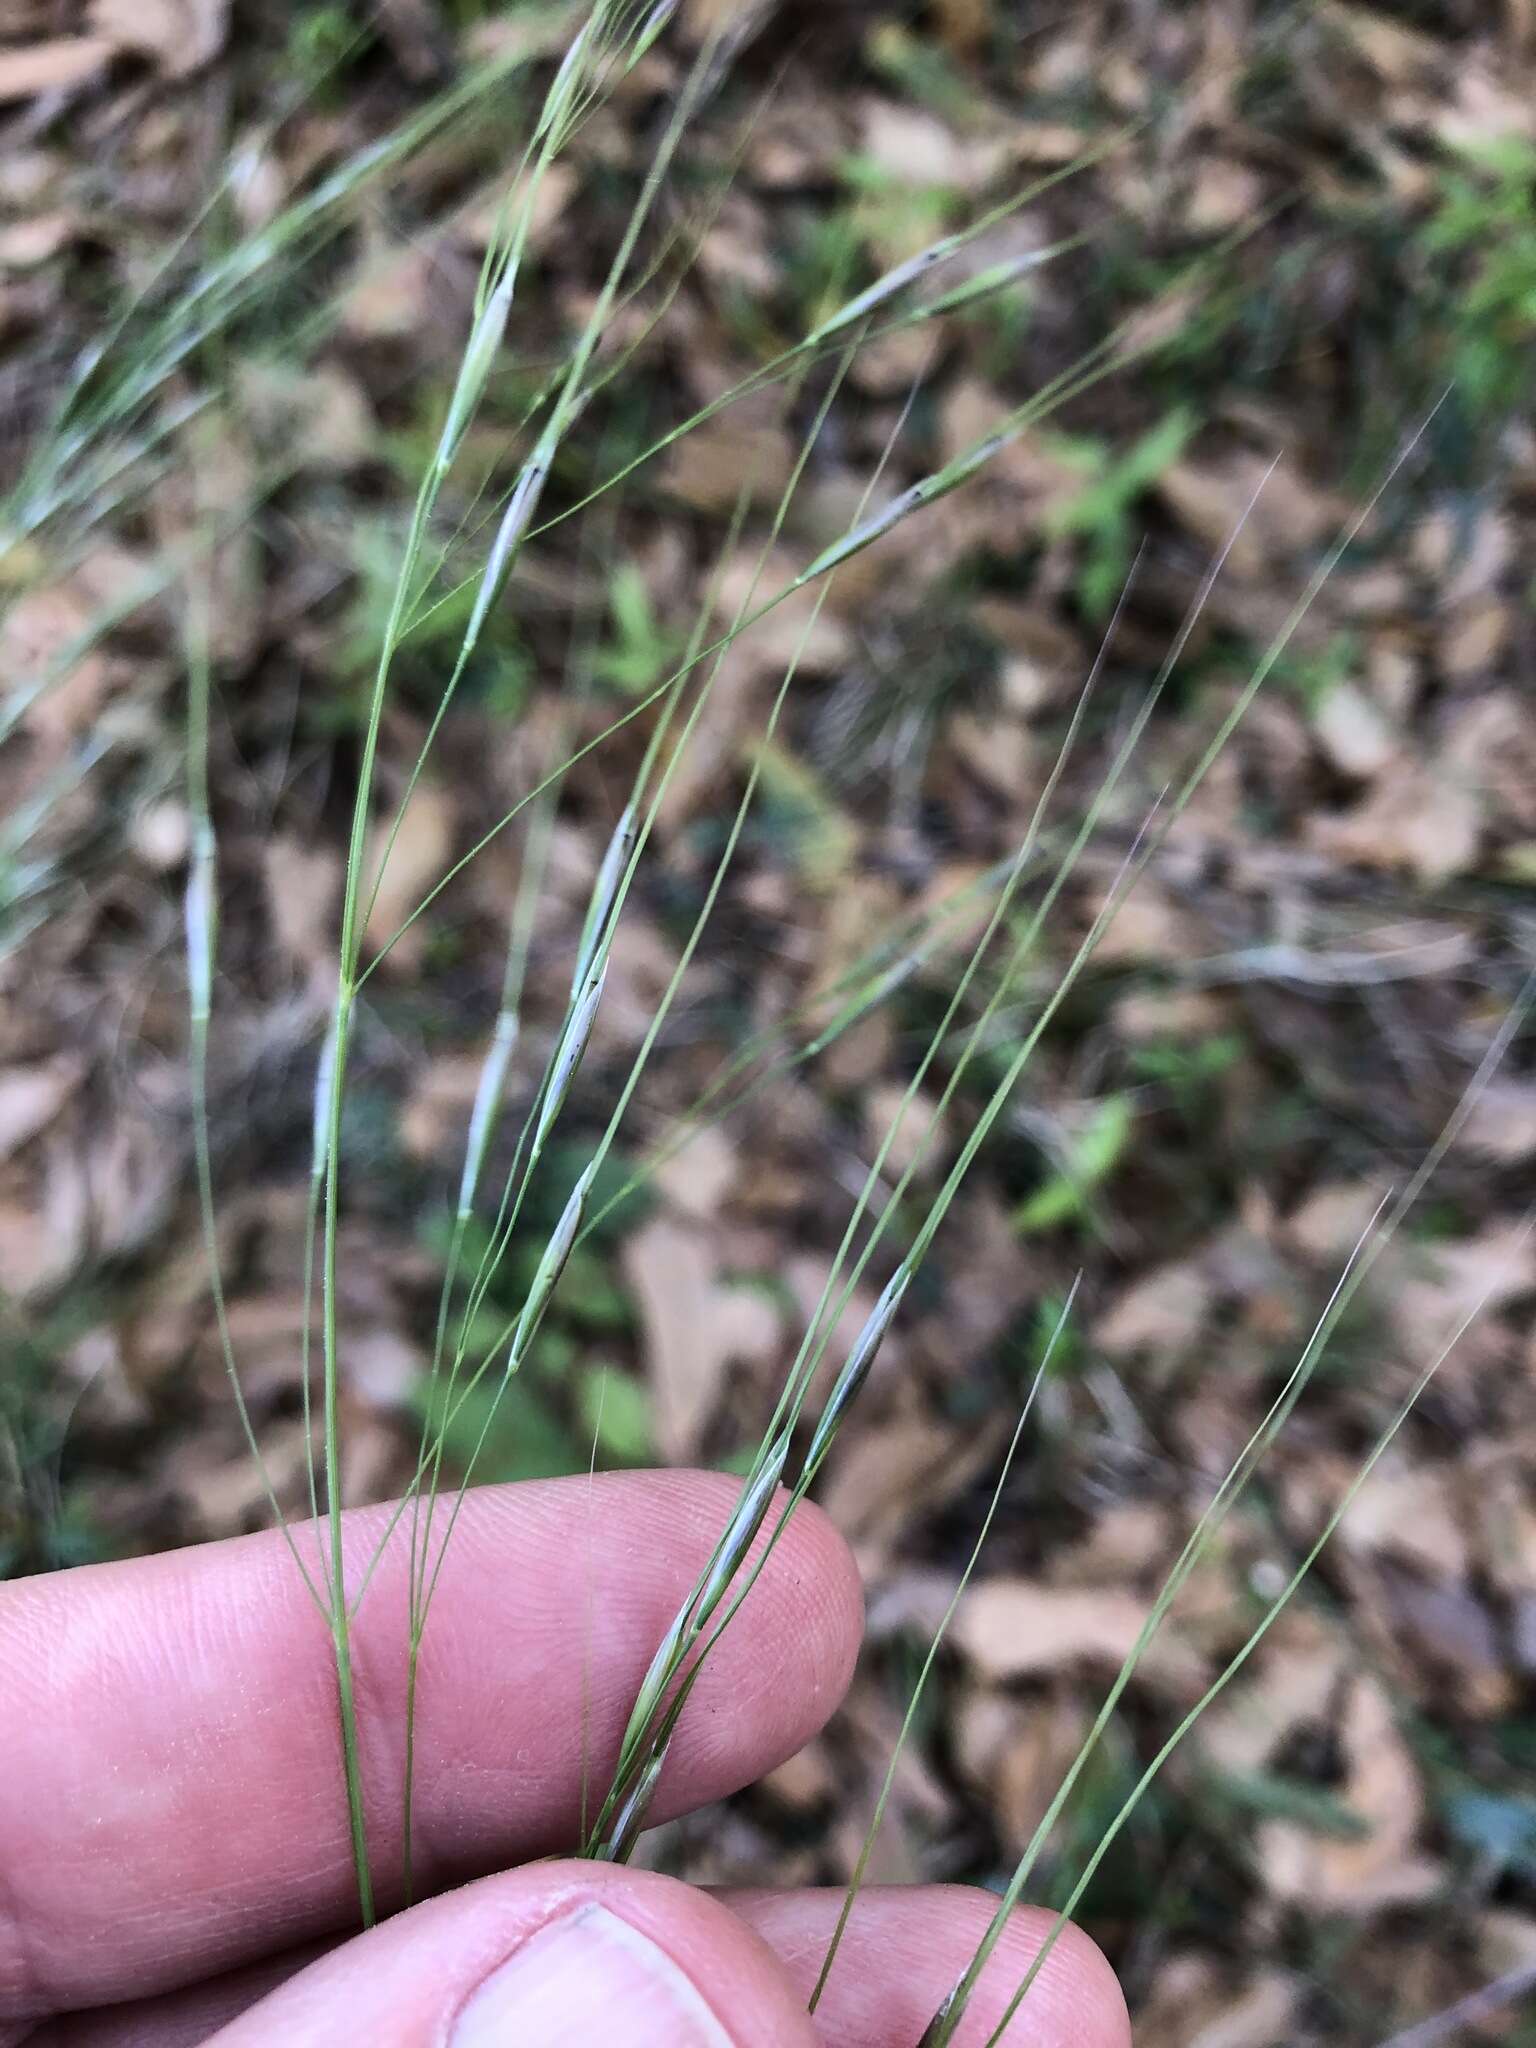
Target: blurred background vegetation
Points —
{"points": [[239, 243]]}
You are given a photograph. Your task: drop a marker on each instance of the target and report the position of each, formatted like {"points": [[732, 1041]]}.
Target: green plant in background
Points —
{"points": [[1089, 1155], [44, 1523], [569, 1403], [1485, 217], [1100, 513], [640, 652], [322, 41]]}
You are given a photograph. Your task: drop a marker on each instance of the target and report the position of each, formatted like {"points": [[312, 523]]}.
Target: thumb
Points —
{"points": [[559, 1955]]}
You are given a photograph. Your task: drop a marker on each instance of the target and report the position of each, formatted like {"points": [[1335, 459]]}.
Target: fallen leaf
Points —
{"points": [[27, 244], [411, 866], [697, 1178], [915, 1129], [303, 889], [694, 1328], [44, 653], [1253, 513], [708, 467], [1014, 1628], [1295, 1683], [1408, 1509], [1263, 2016], [179, 35], [1416, 818], [1321, 1874], [1161, 1313], [1433, 1290], [317, 415], [1501, 1122], [1353, 733], [31, 1097], [53, 66], [1332, 1220], [914, 147], [1017, 1753]]}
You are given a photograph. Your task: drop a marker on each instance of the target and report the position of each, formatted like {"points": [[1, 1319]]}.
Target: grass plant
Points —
{"points": [[122, 421]]}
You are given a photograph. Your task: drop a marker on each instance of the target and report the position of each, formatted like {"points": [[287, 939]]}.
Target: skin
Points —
{"points": [[174, 1864]]}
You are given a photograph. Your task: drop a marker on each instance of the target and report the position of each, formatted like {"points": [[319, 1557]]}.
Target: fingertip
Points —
{"points": [[561, 1953], [905, 1948], [818, 1553], [1075, 1982]]}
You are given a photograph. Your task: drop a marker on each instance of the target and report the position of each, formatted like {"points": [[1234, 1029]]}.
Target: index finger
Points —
{"points": [[172, 1802]]}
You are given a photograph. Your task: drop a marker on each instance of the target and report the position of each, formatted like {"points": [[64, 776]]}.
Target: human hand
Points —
{"points": [[174, 1862]]}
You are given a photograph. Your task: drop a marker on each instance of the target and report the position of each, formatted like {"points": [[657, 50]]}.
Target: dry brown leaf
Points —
{"points": [[390, 287], [1124, 1542], [1464, 564], [38, 636], [1333, 1219], [804, 1781], [132, 1175], [914, 147], [694, 1328], [1501, 1123], [179, 35], [28, 244], [775, 641], [1015, 1628], [1322, 1874], [303, 890], [641, 962], [1430, 1292], [435, 1115], [697, 1178], [1017, 1753], [708, 467], [1353, 732], [1415, 818], [416, 862], [52, 67], [998, 751], [1442, 1628], [31, 1097], [1263, 2016], [1491, 744], [1473, 637], [1217, 503], [876, 1474], [1411, 1510], [1506, 1941], [1161, 1313], [1296, 1682], [915, 1129], [1043, 664], [735, 250], [42, 1240], [1148, 925], [1505, 1512], [317, 415], [488, 213], [1224, 193]]}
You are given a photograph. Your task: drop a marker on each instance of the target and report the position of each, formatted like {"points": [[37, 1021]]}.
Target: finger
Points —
{"points": [[172, 1799], [904, 1949], [176, 2019], [562, 1955]]}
